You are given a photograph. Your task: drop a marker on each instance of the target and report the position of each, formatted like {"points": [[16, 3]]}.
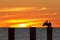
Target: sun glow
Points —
{"points": [[25, 25], [22, 23]]}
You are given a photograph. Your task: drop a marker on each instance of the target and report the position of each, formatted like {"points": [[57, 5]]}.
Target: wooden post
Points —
{"points": [[11, 33], [49, 33], [49, 29], [33, 33]]}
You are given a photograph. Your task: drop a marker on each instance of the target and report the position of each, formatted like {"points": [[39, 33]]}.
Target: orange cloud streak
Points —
{"points": [[16, 9], [21, 9]]}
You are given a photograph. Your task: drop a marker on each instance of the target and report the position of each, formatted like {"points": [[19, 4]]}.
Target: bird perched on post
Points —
{"points": [[49, 29], [47, 23]]}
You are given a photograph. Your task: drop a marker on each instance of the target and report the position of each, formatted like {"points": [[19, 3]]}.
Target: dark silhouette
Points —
{"points": [[32, 33], [49, 29], [47, 23], [11, 33]]}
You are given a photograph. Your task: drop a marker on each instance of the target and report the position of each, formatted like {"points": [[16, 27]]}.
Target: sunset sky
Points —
{"points": [[27, 13]]}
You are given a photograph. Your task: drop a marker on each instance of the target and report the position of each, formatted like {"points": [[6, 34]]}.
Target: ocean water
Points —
{"points": [[23, 34], [3, 34]]}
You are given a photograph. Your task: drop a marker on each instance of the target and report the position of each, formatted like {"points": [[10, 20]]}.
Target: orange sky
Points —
{"points": [[13, 11]]}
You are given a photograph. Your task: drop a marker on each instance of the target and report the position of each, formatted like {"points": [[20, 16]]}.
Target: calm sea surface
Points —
{"points": [[23, 34]]}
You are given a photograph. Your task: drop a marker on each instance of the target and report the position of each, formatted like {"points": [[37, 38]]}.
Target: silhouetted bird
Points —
{"points": [[47, 23]]}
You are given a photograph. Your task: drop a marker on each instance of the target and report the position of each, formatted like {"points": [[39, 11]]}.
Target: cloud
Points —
{"points": [[43, 8], [21, 9], [6, 16], [18, 21], [16, 9], [49, 14]]}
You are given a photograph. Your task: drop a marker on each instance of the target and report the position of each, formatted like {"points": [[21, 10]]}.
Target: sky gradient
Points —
{"points": [[29, 13]]}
